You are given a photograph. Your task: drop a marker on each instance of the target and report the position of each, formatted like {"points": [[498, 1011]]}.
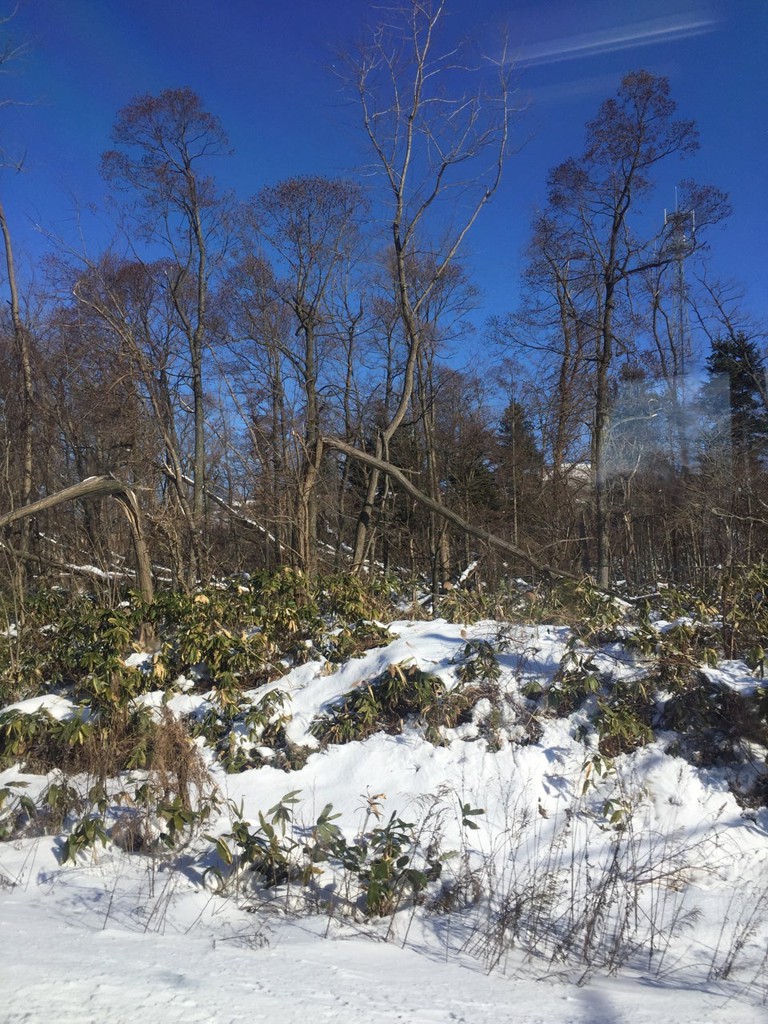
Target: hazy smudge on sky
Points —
{"points": [[652, 425], [611, 40]]}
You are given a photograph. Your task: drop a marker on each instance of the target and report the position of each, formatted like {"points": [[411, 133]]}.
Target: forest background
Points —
{"points": [[312, 377]]}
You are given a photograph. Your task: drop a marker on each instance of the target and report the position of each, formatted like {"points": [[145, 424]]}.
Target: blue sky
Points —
{"points": [[262, 67]]}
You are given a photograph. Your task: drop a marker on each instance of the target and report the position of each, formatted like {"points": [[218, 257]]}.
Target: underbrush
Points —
{"points": [[388, 865], [384, 704], [670, 639], [105, 747], [124, 761], [600, 889], [240, 633], [596, 888]]}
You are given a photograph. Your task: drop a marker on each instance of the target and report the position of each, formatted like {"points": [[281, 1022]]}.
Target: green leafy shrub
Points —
{"points": [[239, 731], [64, 639], [88, 832], [245, 634], [623, 719], [384, 865], [347, 598], [404, 692], [594, 616], [479, 661], [461, 604], [743, 606], [716, 724], [352, 640], [17, 809], [507, 600], [576, 679], [384, 861], [265, 849]]}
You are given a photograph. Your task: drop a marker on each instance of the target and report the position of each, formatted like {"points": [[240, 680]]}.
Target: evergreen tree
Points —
{"points": [[736, 367], [519, 465]]}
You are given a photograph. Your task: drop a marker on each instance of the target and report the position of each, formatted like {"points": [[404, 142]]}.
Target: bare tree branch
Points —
{"points": [[402, 480], [99, 487]]}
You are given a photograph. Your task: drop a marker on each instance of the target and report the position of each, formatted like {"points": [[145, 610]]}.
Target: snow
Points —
{"points": [[120, 937], [78, 955], [74, 966], [734, 675], [57, 707]]}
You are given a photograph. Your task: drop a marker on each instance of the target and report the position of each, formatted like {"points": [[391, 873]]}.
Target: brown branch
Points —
{"points": [[723, 514], [402, 480], [99, 487]]}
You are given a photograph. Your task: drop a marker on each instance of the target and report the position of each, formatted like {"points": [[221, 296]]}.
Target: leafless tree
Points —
{"points": [[259, 332], [20, 331], [164, 145], [127, 301], [439, 138], [601, 249], [313, 227]]}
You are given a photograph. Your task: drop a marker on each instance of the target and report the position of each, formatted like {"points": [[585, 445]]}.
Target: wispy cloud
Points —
{"points": [[612, 40]]}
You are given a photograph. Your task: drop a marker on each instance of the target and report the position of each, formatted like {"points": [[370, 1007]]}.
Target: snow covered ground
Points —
{"points": [[641, 896], [63, 959]]}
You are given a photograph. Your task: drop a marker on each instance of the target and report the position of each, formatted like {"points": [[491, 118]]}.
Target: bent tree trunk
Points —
{"points": [[100, 487], [396, 475]]}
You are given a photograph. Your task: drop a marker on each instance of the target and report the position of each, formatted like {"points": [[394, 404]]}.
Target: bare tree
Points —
{"points": [[259, 327], [599, 248], [165, 144], [313, 226], [22, 339], [439, 138], [23, 358], [127, 303], [552, 347]]}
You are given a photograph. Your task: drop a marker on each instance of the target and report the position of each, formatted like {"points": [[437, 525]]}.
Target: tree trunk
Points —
{"points": [[100, 487], [21, 339]]}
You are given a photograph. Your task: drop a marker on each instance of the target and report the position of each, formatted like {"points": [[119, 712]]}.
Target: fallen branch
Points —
{"points": [[486, 536], [243, 520], [99, 487], [723, 514]]}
